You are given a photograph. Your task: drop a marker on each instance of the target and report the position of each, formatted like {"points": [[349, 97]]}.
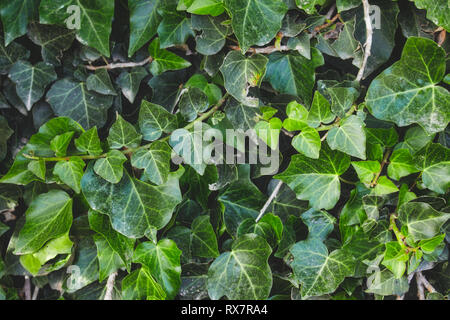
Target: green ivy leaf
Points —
{"points": [[140, 285], [119, 244], [163, 261], [71, 99], [433, 161], [31, 81], [384, 186], [401, 164], [192, 102], [207, 7], [320, 111], [385, 283], [422, 221], [5, 133], [241, 73], [155, 161], [175, 27], [366, 170], [242, 200], [415, 139], [269, 227], [11, 54], [293, 74], [123, 134], [409, 87], [203, 238], [318, 271], [89, 142], [154, 120], [317, 181], [95, 20], [144, 22], [269, 132], [395, 259], [130, 82], [214, 33], [15, 17], [164, 60], [48, 217], [309, 5], [255, 22], [349, 137], [100, 82], [308, 142], [437, 11], [108, 260], [242, 273], [320, 223], [110, 168], [70, 172], [133, 206]]}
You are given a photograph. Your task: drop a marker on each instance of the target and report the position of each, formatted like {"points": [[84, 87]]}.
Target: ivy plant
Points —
{"points": [[107, 109]]}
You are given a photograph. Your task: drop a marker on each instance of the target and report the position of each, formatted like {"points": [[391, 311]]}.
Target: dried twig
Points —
{"points": [[368, 44], [425, 282], [264, 50], [121, 65], [269, 201], [35, 293], [325, 25], [110, 286], [27, 288], [420, 291]]}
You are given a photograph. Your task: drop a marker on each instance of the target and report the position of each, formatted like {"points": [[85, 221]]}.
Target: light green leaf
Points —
{"points": [[320, 111], [269, 132], [242, 273], [241, 73], [318, 271], [163, 261], [31, 81], [207, 7], [407, 92], [366, 170], [140, 285], [437, 11], [384, 186], [317, 181], [401, 164], [384, 283], [422, 221], [434, 162], [154, 120], [297, 115], [108, 260], [48, 217], [38, 168], [111, 167], [70, 172], [349, 137], [155, 161], [255, 22], [395, 259], [309, 5], [89, 142], [61, 142], [308, 142], [164, 60], [123, 134]]}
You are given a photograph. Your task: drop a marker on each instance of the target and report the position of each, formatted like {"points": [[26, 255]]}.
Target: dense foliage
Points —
{"points": [[100, 98]]}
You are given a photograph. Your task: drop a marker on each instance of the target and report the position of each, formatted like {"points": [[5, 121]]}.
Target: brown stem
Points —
{"points": [[121, 65], [385, 160]]}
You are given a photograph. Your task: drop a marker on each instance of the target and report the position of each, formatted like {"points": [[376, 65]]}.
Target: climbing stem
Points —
{"points": [[202, 118], [387, 154]]}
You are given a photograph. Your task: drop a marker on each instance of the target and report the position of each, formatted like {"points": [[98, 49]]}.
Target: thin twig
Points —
{"points": [[383, 163], [324, 136], [420, 291], [287, 133], [325, 25], [425, 282], [269, 201], [35, 293], [110, 286], [27, 288], [121, 65], [330, 11], [368, 44], [264, 50]]}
